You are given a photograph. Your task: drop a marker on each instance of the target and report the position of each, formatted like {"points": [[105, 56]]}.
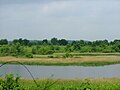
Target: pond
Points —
{"points": [[108, 71]]}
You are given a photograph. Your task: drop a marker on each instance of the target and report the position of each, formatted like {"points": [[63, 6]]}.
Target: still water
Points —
{"points": [[108, 71]]}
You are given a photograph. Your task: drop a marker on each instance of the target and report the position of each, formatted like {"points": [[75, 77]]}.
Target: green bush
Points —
{"points": [[50, 56], [10, 83], [29, 55], [67, 55]]}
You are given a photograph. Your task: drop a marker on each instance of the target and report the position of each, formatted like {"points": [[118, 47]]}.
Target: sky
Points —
{"points": [[68, 19]]}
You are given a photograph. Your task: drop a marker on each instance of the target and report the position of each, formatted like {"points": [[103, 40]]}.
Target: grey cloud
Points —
{"points": [[76, 19]]}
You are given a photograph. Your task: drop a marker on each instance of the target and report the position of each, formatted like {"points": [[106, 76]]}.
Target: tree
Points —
{"points": [[76, 47], [4, 50], [45, 41], [45, 51], [54, 41], [63, 42], [17, 49], [15, 41], [20, 41], [68, 48], [25, 42], [82, 42], [116, 46], [3, 42]]}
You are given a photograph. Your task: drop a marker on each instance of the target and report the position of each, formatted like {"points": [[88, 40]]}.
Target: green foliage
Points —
{"points": [[4, 50], [54, 41], [29, 55], [86, 49], [67, 55], [50, 56], [3, 42], [34, 50], [18, 49], [45, 51], [23, 47], [10, 83], [116, 47], [63, 42], [68, 48], [76, 47], [45, 41], [21, 41]]}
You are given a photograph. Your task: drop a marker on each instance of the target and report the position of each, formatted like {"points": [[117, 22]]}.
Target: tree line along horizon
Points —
{"points": [[27, 48]]}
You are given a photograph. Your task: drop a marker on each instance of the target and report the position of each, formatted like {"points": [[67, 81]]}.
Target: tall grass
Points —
{"points": [[10, 83]]}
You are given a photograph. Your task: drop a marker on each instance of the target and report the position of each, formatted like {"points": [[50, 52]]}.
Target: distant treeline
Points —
{"points": [[24, 47]]}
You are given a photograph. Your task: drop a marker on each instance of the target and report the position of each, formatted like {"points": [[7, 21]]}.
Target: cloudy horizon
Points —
{"points": [[69, 19]]}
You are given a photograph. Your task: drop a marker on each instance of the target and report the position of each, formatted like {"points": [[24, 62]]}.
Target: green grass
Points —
{"points": [[96, 54], [67, 64], [61, 55], [71, 84], [66, 61]]}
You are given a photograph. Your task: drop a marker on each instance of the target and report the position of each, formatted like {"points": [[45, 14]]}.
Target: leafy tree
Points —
{"points": [[45, 41], [21, 41], [54, 41], [17, 50], [3, 42], [45, 51], [25, 42], [63, 42], [82, 42], [76, 47], [34, 50], [86, 49], [68, 48], [116, 47], [4, 50], [15, 41]]}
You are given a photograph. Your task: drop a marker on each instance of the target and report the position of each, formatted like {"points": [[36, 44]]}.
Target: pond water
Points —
{"points": [[108, 71]]}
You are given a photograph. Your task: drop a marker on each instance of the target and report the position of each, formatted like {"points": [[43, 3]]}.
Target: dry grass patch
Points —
{"points": [[70, 61]]}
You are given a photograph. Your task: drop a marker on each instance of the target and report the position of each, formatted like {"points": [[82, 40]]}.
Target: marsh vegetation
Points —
{"points": [[11, 83]]}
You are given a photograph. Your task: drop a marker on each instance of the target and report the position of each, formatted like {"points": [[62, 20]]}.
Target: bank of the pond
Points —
{"points": [[72, 84], [77, 84], [81, 61]]}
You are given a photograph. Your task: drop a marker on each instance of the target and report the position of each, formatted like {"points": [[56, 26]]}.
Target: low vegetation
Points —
{"points": [[81, 61], [28, 48], [61, 52], [11, 83]]}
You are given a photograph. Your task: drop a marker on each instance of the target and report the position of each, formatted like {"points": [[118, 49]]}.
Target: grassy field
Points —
{"points": [[81, 84], [71, 84], [76, 55], [78, 61]]}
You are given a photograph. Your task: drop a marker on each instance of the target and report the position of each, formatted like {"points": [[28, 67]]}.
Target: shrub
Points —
{"points": [[67, 55], [29, 55], [10, 83], [50, 57]]}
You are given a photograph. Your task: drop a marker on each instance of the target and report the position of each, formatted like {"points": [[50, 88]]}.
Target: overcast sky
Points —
{"points": [[69, 19]]}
